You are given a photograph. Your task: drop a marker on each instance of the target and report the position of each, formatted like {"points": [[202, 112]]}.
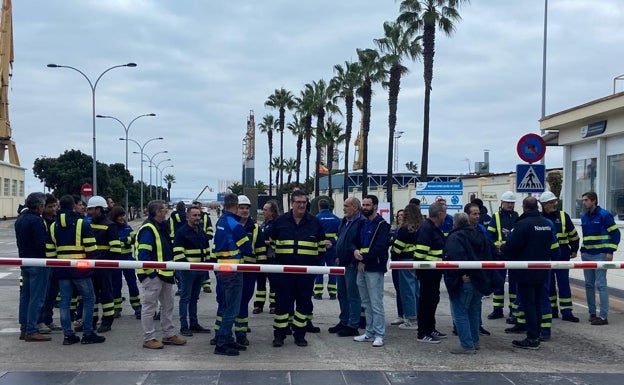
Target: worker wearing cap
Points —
{"points": [[568, 244], [108, 247], [499, 230]]}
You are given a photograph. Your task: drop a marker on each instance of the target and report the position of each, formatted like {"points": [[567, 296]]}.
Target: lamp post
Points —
{"points": [[161, 179], [142, 147], [126, 129], [157, 169], [93, 86], [151, 162], [397, 135]]}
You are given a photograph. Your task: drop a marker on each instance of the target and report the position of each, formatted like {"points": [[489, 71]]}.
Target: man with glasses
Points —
{"points": [[298, 239]]}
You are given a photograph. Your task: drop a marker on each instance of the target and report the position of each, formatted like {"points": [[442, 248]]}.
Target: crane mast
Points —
{"points": [[6, 64]]}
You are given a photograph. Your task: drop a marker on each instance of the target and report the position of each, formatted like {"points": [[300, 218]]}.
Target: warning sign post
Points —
{"points": [[530, 178]]}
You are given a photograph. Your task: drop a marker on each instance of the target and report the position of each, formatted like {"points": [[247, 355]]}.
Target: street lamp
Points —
{"points": [[397, 135], [157, 169], [151, 162], [142, 147], [161, 179], [126, 129], [93, 86]]}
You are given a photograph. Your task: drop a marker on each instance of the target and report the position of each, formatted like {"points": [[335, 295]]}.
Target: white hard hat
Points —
{"points": [[547, 196], [508, 196], [96, 201], [243, 200]]}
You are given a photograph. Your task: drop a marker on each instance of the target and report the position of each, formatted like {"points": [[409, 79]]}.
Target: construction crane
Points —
{"points": [[359, 155], [6, 64]]}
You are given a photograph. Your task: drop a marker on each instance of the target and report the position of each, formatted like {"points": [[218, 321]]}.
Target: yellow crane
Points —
{"points": [[6, 64]]}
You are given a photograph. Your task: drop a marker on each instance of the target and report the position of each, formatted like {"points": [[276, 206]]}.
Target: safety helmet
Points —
{"points": [[508, 196], [243, 200], [547, 196], [96, 201]]}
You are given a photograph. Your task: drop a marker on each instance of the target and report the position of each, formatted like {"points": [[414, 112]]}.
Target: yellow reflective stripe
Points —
{"points": [[364, 250], [308, 244], [288, 242], [610, 229], [103, 247], [98, 227], [231, 253], [242, 241], [284, 251], [554, 246], [230, 261], [144, 246], [308, 252], [601, 245], [595, 237]]}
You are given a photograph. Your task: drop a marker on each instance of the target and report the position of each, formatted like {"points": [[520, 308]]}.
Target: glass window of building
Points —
{"points": [[14, 187], [21, 188], [584, 177], [7, 182], [615, 185]]}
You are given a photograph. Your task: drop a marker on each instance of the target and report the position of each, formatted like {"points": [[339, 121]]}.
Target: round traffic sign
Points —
{"points": [[86, 189], [531, 148]]}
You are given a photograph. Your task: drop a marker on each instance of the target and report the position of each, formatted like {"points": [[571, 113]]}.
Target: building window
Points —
{"points": [[615, 185], [14, 187], [7, 182], [21, 188], [584, 177]]}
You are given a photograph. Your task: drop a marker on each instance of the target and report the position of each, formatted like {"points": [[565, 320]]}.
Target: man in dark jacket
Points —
{"points": [[348, 294], [30, 233], [464, 243], [372, 258], [532, 239]]}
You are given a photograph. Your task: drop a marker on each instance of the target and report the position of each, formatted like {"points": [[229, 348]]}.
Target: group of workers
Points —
{"points": [[361, 242]]}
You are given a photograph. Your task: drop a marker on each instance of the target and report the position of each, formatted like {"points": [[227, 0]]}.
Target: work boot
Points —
{"points": [[153, 344], [174, 340], [36, 337], [496, 314], [92, 338]]}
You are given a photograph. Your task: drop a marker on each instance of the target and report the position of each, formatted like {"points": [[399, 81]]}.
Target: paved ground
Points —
{"points": [[578, 353]]}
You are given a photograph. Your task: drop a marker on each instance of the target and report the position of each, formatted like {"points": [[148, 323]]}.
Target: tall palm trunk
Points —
{"points": [[298, 160], [393, 96], [308, 141], [366, 114], [282, 124], [330, 165], [320, 127], [348, 130], [428, 52]]}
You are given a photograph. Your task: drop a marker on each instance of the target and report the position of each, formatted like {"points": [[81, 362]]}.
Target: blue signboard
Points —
{"points": [[429, 192], [220, 197], [530, 178]]}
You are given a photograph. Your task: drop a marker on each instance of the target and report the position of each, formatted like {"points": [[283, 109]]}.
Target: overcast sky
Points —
{"points": [[203, 65]]}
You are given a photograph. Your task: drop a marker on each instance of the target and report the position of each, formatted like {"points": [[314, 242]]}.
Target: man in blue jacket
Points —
{"points": [[372, 258], [348, 294], [600, 240], [330, 223]]}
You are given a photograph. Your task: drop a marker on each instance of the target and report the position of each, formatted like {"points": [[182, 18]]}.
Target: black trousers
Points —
{"points": [[293, 295], [429, 299], [530, 298]]}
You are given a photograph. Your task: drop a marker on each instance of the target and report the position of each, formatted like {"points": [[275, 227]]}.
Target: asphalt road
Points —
{"points": [[578, 353]]}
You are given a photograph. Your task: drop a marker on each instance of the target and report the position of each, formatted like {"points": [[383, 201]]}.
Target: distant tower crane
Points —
{"points": [[6, 64]]}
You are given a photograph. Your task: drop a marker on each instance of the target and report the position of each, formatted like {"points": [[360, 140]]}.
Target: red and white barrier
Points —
{"points": [[506, 265], [112, 264]]}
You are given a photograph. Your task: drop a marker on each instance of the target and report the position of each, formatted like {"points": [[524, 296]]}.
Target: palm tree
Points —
{"points": [[412, 167], [322, 103], [297, 127], [331, 137], [278, 165], [290, 165], [305, 108], [268, 125], [346, 81], [281, 100], [371, 71], [396, 44], [426, 16], [170, 179]]}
